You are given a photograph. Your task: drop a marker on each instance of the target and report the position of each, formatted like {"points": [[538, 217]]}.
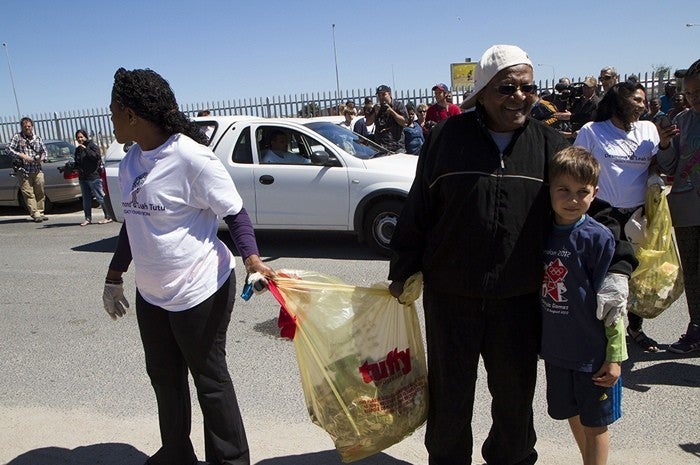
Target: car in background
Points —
{"points": [[348, 182], [59, 187]]}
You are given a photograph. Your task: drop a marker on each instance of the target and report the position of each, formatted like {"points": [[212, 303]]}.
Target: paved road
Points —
{"points": [[73, 389]]}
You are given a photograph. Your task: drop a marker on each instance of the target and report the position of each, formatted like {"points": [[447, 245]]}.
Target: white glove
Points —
{"points": [[612, 298], [258, 281], [412, 289], [114, 300], [655, 179]]}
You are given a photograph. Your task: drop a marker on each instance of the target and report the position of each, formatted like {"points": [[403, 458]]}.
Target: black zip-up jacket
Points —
{"points": [[476, 219], [88, 161]]}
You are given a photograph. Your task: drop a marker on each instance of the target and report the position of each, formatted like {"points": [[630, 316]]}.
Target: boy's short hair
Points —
{"points": [[576, 162]]}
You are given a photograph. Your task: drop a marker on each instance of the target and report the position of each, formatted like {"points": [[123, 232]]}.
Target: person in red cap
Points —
{"points": [[442, 108]]}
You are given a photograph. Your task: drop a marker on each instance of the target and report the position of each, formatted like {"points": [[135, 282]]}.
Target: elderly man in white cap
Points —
{"points": [[474, 223]]}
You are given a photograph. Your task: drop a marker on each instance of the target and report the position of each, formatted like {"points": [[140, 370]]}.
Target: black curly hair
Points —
{"points": [[150, 97], [614, 103]]}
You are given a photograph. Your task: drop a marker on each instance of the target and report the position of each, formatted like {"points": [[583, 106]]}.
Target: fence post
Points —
{"points": [[59, 134]]}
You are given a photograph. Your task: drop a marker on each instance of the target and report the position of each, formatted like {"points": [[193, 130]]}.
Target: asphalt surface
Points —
{"points": [[73, 388]]}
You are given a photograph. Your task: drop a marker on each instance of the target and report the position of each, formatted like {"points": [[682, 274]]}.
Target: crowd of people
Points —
{"points": [[567, 109], [397, 126]]}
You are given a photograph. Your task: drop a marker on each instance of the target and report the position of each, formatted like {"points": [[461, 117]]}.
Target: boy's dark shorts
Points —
{"points": [[571, 393]]}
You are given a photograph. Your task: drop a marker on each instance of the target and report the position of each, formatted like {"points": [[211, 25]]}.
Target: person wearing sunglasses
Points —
{"points": [[474, 224], [421, 112], [413, 132], [608, 78]]}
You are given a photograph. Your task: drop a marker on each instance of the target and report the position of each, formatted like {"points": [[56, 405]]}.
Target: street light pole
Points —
{"points": [[553, 73], [12, 79], [335, 57]]}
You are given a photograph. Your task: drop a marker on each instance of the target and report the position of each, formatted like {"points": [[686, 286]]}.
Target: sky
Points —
{"points": [[63, 54]]}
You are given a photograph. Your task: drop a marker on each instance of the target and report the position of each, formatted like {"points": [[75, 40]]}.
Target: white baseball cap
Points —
{"points": [[495, 59]]}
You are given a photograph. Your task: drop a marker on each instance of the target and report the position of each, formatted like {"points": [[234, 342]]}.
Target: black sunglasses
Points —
{"points": [[510, 89]]}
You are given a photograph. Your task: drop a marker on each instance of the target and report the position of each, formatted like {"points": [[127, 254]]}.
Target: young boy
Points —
{"points": [[582, 356]]}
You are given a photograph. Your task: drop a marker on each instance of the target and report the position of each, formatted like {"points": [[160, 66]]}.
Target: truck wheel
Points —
{"points": [[380, 223]]}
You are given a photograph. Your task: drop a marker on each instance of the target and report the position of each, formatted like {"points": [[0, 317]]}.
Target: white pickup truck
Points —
{"points": [[345, 183]]}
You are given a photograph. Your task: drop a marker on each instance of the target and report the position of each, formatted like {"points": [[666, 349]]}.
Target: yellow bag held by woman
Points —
{"points": [[658, 281], [361, 359]]}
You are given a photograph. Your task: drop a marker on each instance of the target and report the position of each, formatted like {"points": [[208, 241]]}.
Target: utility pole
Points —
{"points": [[335, 57], [12, 80]]}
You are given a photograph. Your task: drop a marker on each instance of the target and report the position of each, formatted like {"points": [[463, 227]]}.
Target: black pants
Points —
{"points": [[193, 339], [689, 250], [506, 333], [623, 215]]}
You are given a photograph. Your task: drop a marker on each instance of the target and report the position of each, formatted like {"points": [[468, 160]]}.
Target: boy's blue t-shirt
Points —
{"points": [[576, 259]]}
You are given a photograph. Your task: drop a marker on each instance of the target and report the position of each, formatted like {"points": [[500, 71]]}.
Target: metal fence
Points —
{"points": [[97, 122]]}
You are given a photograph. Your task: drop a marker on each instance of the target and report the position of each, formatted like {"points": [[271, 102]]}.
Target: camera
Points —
{"points": [[18, 169], [570, 92], [384, 106], [68, 168]]}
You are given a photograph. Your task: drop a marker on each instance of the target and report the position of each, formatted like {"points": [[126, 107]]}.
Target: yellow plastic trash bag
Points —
{"points": [[361, 359], [658, 281]]}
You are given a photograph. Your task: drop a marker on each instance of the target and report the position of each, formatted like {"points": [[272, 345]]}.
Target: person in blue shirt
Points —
{"points": [[413, 133], [582, 354]]}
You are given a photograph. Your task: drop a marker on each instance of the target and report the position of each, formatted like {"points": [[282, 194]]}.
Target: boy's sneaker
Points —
{"points": [[688, 342]]}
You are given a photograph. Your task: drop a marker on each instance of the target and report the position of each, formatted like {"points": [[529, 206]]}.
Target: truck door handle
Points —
{"points": [[266, 179]]}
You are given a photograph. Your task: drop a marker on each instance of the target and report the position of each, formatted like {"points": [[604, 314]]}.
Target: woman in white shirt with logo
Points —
{"points": [[625, 148], [175, 190]]}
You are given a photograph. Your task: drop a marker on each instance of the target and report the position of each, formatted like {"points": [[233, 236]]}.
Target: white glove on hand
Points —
{"points": [[612, 298], [114, 300], [258, 281], [655, 179], [412, 289]]}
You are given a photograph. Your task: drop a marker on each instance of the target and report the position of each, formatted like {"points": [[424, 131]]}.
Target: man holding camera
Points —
{"points": [[583, 107], [391, 118], [29, 152], [562, 92]]}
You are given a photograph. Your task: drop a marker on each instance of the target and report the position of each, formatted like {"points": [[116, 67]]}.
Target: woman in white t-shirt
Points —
{"points": [[625, 148], [174, 192]]}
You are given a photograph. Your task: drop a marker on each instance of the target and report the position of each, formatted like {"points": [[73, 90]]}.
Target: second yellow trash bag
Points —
{"points": [[658, 281], [361, 360]]}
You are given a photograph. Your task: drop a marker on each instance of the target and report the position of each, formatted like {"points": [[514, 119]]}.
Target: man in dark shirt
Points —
{"points": [[391, 117], [583, 108]]}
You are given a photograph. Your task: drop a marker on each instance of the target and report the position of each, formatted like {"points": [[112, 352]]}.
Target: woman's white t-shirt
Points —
{"points": [[173, 197], [624, 159]]}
